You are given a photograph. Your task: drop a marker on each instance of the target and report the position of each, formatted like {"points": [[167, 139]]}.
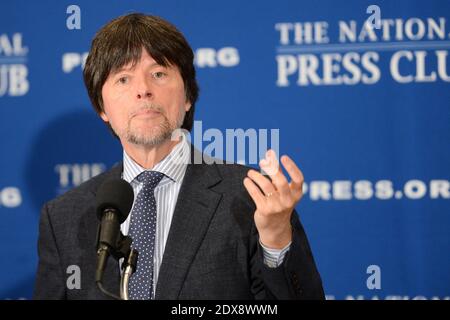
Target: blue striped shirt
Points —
{"points": [[173, 166]]}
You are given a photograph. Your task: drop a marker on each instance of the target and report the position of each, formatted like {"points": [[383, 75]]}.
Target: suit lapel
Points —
{"points": [[195, 207]]}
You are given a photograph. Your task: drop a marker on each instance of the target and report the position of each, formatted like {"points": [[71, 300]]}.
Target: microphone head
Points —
{"points": [[115, 194]]}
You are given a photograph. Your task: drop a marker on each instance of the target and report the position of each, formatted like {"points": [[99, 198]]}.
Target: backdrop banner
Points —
{"points": [[356, 92]]}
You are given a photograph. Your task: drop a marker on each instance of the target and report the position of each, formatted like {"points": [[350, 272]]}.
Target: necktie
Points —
{"points": [[142, 231]]}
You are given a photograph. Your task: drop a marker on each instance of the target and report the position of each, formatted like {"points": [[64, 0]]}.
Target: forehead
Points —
{"points": [[144, 60], [141, 58]]}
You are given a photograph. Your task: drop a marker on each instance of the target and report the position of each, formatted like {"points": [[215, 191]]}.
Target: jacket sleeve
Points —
{"points": [[296, 278], [50, 283]]}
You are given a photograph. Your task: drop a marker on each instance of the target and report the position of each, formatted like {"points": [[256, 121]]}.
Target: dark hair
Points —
{"points": [[120, 42]]}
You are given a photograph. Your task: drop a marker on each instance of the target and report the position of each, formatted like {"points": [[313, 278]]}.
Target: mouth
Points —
{"points": [[147, 114]]}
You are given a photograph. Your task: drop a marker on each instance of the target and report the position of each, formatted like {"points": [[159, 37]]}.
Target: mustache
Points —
{"points": [[147, 107]]}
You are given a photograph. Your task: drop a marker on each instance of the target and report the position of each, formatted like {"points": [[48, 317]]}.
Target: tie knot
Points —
{"points": [[150, 179]]}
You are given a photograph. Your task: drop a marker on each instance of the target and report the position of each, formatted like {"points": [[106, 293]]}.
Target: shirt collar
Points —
{"points": [[172, 166]]}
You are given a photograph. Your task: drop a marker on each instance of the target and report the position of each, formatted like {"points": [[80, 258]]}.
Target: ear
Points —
{"points": [[187, 105], [104, 116]]}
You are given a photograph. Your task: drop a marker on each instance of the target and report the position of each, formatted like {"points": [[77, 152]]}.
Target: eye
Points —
{"points": [[159, 75], [123, 80]]}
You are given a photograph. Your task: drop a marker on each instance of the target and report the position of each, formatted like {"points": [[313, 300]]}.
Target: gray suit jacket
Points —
{"points": [[212, 250]]}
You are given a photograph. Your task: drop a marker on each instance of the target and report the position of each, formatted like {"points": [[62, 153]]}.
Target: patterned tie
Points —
{"points": [[142, 231]]}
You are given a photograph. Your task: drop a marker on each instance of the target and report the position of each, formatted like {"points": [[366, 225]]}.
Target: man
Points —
{"points": [[203, 231]]}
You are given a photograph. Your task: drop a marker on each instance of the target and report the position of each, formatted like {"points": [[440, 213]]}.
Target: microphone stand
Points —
{"points": [[130, 266], [122, 250]]}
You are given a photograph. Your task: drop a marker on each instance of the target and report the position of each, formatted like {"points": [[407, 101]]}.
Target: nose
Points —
{"points": [[143, 89], [142, 94]]}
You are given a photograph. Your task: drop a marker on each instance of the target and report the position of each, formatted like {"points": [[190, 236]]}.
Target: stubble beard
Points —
{"points": [[155, 135]]}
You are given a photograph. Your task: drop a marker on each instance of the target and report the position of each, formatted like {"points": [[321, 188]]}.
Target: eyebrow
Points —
{"points": [[127, 69]]}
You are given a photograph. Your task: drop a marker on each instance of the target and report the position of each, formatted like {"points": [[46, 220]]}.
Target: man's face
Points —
{"points": [[144, 104]]}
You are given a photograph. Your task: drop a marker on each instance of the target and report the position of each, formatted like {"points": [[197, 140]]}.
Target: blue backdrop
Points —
{"points": [[364, 109]]}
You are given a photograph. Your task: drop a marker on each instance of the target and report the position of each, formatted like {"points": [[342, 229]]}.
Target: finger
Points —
{"points": [[262, 182], [254, 192], [270, 163], [280, 184], [294, 172], [277, 176]]}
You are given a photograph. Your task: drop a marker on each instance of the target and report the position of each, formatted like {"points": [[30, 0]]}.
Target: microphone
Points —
{"points": [[114, 201]]}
